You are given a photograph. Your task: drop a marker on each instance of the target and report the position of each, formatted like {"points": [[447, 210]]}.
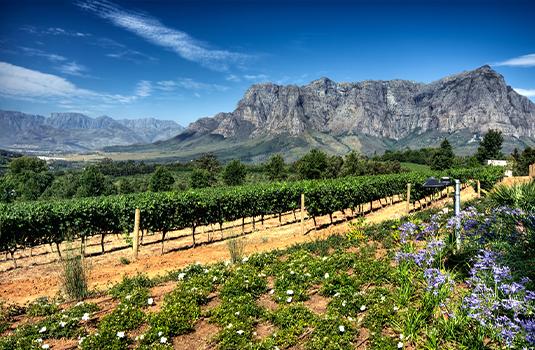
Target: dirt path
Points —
{"points": [[38, 275]]}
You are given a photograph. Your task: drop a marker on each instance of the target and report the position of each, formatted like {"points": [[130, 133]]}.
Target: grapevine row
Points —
{"points": [[28, 224]]}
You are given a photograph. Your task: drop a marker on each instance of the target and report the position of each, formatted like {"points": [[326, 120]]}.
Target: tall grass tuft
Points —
{"points": [[516, 196], [74, 275], [235, 248]]}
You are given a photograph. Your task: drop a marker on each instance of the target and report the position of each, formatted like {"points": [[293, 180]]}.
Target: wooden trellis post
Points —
{"points": [[135, 245], [302, 213], [408, 208], [478, 189], [532, 170]]}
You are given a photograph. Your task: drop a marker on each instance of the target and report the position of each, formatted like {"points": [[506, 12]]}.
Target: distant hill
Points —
{"points": [[75, 132], [369, 116]]}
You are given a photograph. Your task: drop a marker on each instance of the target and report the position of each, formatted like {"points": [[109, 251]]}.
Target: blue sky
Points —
{"points": [[183, 60]]}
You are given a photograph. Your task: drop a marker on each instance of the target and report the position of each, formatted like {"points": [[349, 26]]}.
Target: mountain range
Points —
{"points": [[369, 116], [75, 132]]}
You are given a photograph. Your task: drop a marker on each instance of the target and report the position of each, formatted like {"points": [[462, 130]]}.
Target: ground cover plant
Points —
{"points": [[399, 284]]}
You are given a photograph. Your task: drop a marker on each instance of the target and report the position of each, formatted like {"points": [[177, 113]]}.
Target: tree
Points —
{"points": [[276, 168], [28, 178], [93, 183], [63, 187], [526, 158], [443, 157], [490, 147], [334, 167], [234, 173], [161, 180], [200, 178], [352, 164], [209, 162], [24, 164], [312, 165]]}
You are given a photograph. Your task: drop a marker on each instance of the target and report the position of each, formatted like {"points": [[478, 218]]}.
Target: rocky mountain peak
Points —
{"points": [[475, 100]]}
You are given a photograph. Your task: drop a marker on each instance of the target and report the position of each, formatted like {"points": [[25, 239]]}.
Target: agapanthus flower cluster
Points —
{"points": [[498, 302], [408, 231], [436, 280], [423, 258]]}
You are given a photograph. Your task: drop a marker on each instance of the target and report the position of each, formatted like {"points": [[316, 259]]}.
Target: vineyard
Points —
{"points": [[29, 224], [398, 284]]}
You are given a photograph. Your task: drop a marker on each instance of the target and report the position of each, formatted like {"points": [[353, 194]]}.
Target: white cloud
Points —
{"points": [[166, 85], [525, 92], [73, 68], [189, 84], [26, 84], [521, 61], [257, 77], [143, 88], [120, 51], [28, 51], [54, 31], [17, 81], [152, 30], [233, 78]]}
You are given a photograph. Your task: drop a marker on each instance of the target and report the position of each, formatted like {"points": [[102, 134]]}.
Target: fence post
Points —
{"points": [[135, 246], [478, 189], [532, 170], [302, 213], [408, 197]]}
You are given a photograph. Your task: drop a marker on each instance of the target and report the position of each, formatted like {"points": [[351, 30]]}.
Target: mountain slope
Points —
{"points": [[369, 116], [75, 132]]}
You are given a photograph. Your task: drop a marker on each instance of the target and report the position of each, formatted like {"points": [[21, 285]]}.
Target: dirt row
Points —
{"points": [[37, 274]]}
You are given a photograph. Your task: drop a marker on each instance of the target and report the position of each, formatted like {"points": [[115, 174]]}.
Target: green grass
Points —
{"points": [[415, 167]]}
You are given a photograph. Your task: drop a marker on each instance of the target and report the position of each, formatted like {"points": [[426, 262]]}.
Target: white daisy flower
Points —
{"points": [[160, 334], [289, 292], [42, 330], [240, 332], [120, 335], [62, 324], [341, 328], [85, 317], [363, 307], [289, 299], [39, 340], [150, 301], [181, 276], [45, 346], [163, 340], [326, 275], [400, 345]]}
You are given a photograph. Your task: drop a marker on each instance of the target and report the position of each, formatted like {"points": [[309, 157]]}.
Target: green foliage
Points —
{"points": [[235, 248], [42, 307], [208, 162], [516, 196], [443, 158], [201, 178], [490, 147], [234, 173], [312, 165], [161, 180], [522, 161], [94, 183], [130, 284], [26, 224], [74, 276], [276, 168], [24, 164]]}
